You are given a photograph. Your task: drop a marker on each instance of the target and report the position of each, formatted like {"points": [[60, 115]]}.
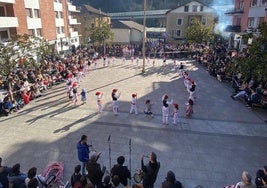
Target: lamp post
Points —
{"points": [[144, 39]]}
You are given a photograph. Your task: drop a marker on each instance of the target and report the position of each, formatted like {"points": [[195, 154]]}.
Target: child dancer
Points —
{"points": [[134, 104], [147, 110], [75, 93], [99, 101], [83, 96], [189, 108], [115, 96], [165, 109], [175, 114]]}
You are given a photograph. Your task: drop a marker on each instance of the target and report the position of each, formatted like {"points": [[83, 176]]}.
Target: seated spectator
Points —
{"points": [[26, 97], [171, 181], [253, 98], [245, 91], [15, 177], [4, 171], [245, 181]]}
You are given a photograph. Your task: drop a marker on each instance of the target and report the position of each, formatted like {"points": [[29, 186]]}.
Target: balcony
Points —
{"points": [[8, 22], [234, 12], [7, 1], [73, 21], [74, 34], [72, 8], [233, 28]]}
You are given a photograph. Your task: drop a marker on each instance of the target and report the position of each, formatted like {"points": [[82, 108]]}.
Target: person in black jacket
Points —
{"points": [[95, 173], [150, 171], [121, 171], [171, 181]]}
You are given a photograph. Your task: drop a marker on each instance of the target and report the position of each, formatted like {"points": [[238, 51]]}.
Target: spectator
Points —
{"points": [[121, 171], [150, 171], [15, 177], [83, 152], [116, 182], [245, 181], [95, 173], [259, 175], [33, 183], [32, 174], [106, 183], [171, 181], [4, 171], [76, 178]]}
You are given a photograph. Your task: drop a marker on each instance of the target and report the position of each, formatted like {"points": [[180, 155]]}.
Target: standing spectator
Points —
{"points": [[245, 181], [134, 104], [106, 183], [95, 173], [116, 182], [15, 177], [121, 171], [76, 178], [171, 181], [32, 174], [150, 171], [4, 171], [115, 96], [83, 152]]}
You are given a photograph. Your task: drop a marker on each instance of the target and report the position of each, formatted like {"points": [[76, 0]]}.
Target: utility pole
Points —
{"points": [[144, 39]]}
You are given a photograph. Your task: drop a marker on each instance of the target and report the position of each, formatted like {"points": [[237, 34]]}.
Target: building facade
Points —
{"points": [[90, 17], [179, 18], [51, 19], [247, 15]]}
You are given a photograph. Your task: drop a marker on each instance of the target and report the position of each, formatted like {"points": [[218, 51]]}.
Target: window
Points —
{"points": [[31, 32], [264, 2], [29, 12], [204, 21], [186, 8], [62, 30], [254, 3], [201, 8], [3, 35], [58, 30], [241, 5], [195, 8], [261, 20], [250, 22], [61, 14], [2, 11], [178, 33], [179, 21], [57, 14], [39, 32], [238, 21], [36, 13]]}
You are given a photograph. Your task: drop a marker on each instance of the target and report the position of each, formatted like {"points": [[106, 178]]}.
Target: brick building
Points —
{"points": [[53, 20]]}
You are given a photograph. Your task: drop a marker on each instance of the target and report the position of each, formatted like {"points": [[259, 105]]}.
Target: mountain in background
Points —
{"points": [[137, 5]]}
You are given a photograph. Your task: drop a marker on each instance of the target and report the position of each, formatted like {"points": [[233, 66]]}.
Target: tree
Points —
{"points": [[253, 60], [20, 52], [100, 32], [198, 33]]}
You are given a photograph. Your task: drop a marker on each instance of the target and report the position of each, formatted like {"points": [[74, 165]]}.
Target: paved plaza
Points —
{"points": [[212, 148]]}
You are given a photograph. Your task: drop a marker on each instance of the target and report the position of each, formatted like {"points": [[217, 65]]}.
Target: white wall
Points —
{"points": [[136, 36], [181, 9], [32, 4], [121, 35]]}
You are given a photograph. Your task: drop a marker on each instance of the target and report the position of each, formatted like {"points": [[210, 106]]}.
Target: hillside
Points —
{"points": [[137, 5]]}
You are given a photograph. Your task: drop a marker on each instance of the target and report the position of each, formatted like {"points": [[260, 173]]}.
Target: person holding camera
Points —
{"points": [[150, 170]]}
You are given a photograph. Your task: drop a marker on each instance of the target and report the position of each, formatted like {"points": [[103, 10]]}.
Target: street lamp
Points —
{"points": [[144, 38]]}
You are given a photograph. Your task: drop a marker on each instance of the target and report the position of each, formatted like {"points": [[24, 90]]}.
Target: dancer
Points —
{"points": [[99, 101], [189, 108], [115, 96], [75, 93], [175, 114], [166, 109], [134, 104], [83, 96], [147, 110]]}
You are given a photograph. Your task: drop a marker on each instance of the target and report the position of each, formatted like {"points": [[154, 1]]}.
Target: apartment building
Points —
{"points": [[247, 15], [179, 18], [53, 20]]}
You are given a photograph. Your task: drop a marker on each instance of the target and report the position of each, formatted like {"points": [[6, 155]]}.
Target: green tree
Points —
{"points": [[21, 51], [198, 33], [253, 60]]}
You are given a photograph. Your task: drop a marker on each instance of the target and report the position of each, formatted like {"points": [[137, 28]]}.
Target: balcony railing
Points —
{"points": [[8, 22], [7, 1], [233, 28], [234, 11]]}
